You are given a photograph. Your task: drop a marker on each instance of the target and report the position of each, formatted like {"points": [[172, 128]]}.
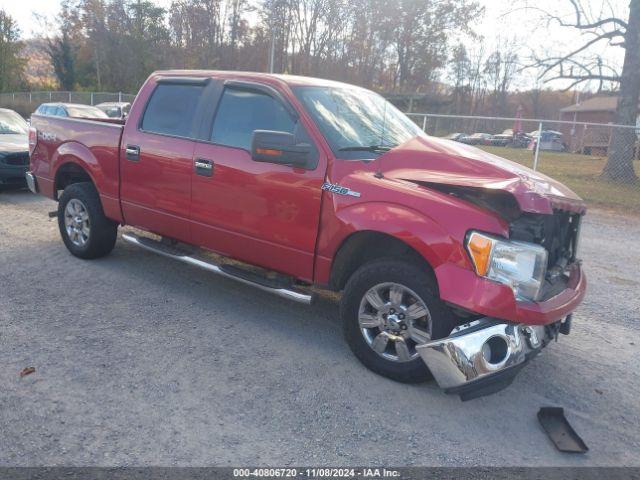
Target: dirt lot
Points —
{"points": [[143, 361]]}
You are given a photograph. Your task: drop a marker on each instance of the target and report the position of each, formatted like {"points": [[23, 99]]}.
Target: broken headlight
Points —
{"points": [[521, 265]]}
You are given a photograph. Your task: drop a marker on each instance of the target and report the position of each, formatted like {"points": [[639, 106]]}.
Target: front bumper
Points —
{"points": [[464, 288], [484, 356], [12, 175]]}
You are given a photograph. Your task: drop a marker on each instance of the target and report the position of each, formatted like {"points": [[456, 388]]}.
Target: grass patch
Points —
{"points": [[581, 173]]}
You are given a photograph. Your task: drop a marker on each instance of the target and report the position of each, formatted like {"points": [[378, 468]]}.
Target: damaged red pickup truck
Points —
{"points": [[452, 262]]}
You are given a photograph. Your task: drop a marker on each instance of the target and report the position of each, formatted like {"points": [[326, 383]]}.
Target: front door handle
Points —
{"points": [[203, 167], [132, 153]]}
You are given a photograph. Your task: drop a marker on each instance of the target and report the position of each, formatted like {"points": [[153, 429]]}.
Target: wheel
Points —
{"points": [[388, 308], [85, 230]]}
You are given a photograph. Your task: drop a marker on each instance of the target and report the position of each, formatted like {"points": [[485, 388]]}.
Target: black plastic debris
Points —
{"points": [[563, 436]]}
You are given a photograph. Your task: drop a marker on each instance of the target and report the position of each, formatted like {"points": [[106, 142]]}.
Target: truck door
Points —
{"points": [[156, 157], [261, 213]]}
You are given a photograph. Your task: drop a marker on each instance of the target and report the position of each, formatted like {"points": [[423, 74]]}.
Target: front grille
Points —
{"points": [[16, 159], [557, 233]]}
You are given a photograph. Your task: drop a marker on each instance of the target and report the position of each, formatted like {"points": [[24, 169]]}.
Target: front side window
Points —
{"points": [[356, 122], [172, 109], [242, 111]]}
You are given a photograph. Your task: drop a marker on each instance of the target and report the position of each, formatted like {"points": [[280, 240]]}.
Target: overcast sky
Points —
{"points": [[504, 21]]}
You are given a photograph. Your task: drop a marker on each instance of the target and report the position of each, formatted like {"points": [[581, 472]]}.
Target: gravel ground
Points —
{"points": [[144, 361]]}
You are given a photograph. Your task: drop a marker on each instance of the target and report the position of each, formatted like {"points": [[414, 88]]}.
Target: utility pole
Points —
{"points": [[272, 51]]}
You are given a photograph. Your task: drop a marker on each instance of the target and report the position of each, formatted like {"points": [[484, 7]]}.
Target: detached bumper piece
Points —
{"points": [[484, 356], [563, 436]]}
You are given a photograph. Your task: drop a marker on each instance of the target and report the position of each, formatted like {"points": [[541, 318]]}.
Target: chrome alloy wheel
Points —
{"points": [[76, 222], [393, 320]]}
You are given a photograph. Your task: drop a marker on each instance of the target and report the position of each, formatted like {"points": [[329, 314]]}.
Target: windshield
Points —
{"points": [[350, 118], [12, 123], [86, 112]]}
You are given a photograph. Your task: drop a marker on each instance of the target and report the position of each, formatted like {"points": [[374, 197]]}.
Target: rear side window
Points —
{"points": [[172, 109], [242, 111]]}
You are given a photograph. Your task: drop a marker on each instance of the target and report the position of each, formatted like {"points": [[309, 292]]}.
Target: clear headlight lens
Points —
{"points": [[520, 265]]}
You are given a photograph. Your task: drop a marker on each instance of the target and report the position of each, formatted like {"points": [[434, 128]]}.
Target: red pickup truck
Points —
{"points": [[453, 263]]}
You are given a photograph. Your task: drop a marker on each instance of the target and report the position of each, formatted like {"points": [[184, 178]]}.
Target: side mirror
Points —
{"points": [[280, 148]]}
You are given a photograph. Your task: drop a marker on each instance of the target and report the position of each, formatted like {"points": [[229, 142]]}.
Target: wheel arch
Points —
{"points": [[364, 246], [68, 173], [373, 230], [73, 163]]}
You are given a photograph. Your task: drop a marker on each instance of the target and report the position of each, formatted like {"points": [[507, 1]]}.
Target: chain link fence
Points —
{"points": [[600, 162], [25, 103]]}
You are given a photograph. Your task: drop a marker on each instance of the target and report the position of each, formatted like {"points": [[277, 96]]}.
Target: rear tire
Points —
{"points": [[86, 231], [375, 335]]}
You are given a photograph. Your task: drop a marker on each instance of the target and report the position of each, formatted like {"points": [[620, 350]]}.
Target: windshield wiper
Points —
{"points": [[366, 148]]}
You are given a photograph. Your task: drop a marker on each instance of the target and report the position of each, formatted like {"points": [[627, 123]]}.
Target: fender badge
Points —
{"points": [[335, 188]]}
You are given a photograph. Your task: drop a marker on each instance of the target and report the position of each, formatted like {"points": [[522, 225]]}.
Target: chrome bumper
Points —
{"points": [[31, 182], [484, 356]]}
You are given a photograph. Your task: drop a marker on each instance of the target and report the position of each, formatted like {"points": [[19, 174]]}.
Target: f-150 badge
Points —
{"points": [[335, 188]]}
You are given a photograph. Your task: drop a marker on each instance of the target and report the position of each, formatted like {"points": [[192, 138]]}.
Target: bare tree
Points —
{"points": [[500, 69], [578, 67], [420, 32]]}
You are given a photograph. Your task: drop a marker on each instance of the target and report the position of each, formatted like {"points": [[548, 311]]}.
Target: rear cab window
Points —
{"points": [[171, 110]]}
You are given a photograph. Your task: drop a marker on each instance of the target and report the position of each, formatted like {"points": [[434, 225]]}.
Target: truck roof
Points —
{"points": [[290, 80]]}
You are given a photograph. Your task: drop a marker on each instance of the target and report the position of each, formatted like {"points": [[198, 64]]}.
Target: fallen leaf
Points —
{"points": [[27, 371]]}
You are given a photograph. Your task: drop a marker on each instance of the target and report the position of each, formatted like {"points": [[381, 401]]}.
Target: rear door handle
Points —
{"points": [[203, 167], [132, 153]]}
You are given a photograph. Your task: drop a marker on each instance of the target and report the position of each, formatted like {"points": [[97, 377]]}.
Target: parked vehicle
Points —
{"points": [[476, 139], [550, 140], [521, 140], [501, 140], [70, 110], [455, 136], [451, 262], [115, 109], [14, 148]]}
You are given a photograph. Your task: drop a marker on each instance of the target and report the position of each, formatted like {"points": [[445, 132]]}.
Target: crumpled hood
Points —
{"points": [[14, 143], [438, 161]]}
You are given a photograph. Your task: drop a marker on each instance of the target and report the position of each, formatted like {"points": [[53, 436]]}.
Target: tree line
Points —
{"points": [[391, 46], [405, 46]]}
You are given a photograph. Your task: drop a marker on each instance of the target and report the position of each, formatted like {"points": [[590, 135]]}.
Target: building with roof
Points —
{"points": [[600, 109], [586, 138]]}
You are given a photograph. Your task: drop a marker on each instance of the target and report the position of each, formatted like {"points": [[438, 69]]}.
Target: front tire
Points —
{"points": [[86, 231], [389, 307]]}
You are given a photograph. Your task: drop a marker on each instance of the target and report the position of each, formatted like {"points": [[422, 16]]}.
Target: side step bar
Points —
{"points": [[226, 271]]}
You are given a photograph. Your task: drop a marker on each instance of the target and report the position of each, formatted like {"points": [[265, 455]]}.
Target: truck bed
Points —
{"points": [[61, 142]]}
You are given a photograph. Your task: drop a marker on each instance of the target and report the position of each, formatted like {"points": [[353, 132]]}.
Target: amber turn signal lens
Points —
{"points": [[480, 251], [268, 151]]}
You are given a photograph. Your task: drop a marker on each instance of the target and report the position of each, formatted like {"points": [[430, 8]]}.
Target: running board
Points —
{"points": [[225, 271]]}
